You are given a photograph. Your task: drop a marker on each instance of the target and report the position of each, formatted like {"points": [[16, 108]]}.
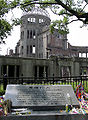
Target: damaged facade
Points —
{"points": [[30, 67], [39, 53], [37, 41]]}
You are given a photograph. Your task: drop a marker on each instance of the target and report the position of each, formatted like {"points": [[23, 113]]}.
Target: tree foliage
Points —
{"points": [[69, 10], [5, 26]]}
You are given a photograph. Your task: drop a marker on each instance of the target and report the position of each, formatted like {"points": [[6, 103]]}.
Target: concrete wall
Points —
{"points": [[53, 66]]}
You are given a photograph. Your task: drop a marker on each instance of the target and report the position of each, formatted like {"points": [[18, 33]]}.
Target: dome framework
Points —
{"points": [[38, 11]]}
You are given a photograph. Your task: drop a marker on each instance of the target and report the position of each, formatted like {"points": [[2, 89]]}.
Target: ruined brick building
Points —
{"points": [[37, 41], [36, 44]]}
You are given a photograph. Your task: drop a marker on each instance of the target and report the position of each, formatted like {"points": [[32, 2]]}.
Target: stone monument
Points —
{"points": [[41, 102], [41, 97]]}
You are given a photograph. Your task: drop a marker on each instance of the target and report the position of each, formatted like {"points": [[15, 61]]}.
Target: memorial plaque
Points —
{"points": [[41, 97]]}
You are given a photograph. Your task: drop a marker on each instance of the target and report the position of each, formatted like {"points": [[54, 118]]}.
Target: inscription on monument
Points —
{"points": [[40, 96]]}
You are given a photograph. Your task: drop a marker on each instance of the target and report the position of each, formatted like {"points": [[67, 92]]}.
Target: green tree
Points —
{"points": [[5, 25], [69, 10]]}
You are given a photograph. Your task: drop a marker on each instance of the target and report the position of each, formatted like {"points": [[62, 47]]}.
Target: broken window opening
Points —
{"points": [[31, 34], [22, 50], [47, 39], [27, 49], [27, 33], [41, 71], [22, 34], [34, 34], [31, 20], [41, 20], [33, 49], [30, 48]]}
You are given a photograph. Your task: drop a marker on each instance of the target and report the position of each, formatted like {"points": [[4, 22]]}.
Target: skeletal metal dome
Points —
{"points": [[38, 11]]}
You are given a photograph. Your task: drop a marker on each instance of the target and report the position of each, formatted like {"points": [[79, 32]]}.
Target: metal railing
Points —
{"points": [[73, 80]]}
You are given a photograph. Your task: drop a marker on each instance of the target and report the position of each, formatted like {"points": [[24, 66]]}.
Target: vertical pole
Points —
{"points": [[22, 79], [53, 79], [7, 74], [86, 54], [15, 79], [44, 74], [15, 71], [37, 71]]}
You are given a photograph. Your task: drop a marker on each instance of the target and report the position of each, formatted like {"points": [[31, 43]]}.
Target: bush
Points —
{"points": [[2, 92]]}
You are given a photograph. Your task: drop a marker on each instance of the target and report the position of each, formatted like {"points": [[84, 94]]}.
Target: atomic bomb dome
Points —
{"points": [[35, 38], [37, 41], [37, 11]]}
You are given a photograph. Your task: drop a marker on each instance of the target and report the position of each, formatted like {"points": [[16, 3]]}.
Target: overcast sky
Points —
{"points": [[77, 36]]}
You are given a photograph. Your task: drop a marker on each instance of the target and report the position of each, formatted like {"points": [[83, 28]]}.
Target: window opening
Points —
{"points": [[17, 70], [31, 34], [31, 20], [27, 49], [30, 48], [4, 69], [11, 70], [34, 34], [35, 71], [47, 54], [47, 39], [33, 49], [22, 34], [27, 33], [41, 20], [22, 49], [41, 71]]}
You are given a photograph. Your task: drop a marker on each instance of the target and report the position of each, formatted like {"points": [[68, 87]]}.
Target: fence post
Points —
{"points": [[86, 80], [22, 79], [53, 79], [81, 79]]}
